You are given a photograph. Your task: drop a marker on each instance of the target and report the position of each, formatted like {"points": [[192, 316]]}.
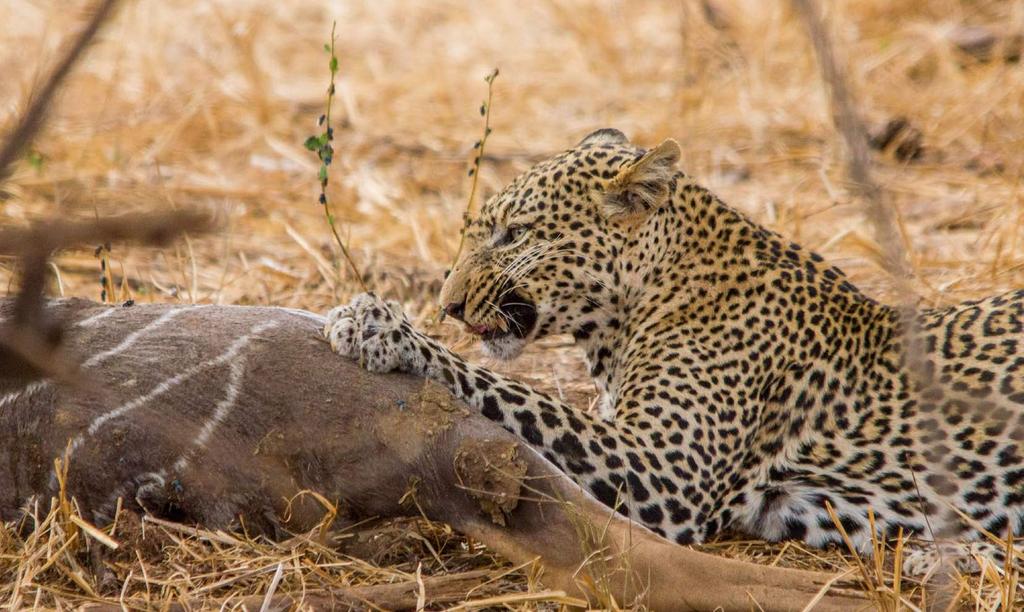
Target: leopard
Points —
{"points": [[745, 384]]}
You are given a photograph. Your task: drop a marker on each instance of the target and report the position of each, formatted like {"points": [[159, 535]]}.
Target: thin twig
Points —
{"points": [[39, 101], [474, 170], [479, 146], [858, 163], [882, 216]]}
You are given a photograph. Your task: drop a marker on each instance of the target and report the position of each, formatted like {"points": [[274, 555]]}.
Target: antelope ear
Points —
{"points": [[643, 185], [605, 136]]}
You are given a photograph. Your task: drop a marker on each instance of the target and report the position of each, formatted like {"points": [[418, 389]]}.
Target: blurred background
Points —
{"points": [[207, 103]]}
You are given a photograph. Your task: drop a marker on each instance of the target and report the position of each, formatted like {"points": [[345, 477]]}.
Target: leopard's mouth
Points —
{"points": [[518, 317]]}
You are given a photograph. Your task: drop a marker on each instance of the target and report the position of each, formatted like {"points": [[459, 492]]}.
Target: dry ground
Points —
{"points": [[207, 103]]}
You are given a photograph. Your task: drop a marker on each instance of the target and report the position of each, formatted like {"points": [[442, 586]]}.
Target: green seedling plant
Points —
{"points": [[321, 144], [35, 159]]}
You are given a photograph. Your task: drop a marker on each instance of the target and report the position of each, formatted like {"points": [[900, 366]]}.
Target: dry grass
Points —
{"points": [[208, 103]]}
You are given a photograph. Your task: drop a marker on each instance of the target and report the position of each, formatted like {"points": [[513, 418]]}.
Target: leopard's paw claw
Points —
{"points": [[371, 330]]}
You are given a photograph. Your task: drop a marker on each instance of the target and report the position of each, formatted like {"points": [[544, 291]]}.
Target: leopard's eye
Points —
{"points": [[510, 234], [515, 232]]}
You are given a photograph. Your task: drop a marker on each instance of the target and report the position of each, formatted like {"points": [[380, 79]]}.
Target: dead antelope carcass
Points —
{"points": [[207, 414]]}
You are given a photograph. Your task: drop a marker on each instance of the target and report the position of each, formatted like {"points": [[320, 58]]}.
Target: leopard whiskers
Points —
{"points": [[528, 260], [511, 275], [506, 320]]}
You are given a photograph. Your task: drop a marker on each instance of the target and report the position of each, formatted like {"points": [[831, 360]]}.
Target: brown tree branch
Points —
{"points": [[885, 222], [30, 341], [32, 119], [447, 589], [879, 212]]}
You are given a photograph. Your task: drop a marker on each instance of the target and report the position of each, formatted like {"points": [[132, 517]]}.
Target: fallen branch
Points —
{"points": [[397, 596], [885, 221], [156, 229], [879, 212], [30, 340]]}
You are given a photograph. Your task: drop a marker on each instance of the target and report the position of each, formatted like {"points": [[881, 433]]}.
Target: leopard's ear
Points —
{"points": [[643, 185], [604, 136]]}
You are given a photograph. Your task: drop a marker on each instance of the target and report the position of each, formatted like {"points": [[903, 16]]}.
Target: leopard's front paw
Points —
{"points": [[340, 330], [374, 332]]}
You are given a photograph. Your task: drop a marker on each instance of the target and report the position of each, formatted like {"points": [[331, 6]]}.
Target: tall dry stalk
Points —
{"points": [[474, 170], [879, 212], [885, 222]]}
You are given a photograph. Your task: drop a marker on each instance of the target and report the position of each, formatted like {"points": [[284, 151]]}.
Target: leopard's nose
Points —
{"points": [[456, 309]]}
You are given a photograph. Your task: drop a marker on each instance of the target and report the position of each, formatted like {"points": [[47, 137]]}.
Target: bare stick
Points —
{"points": [[880, 213], [39, 101], [450, 588], [474, 170], [858, 163], [149, 228], [30, 342]]}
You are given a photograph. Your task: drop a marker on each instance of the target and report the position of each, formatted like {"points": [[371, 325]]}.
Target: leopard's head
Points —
{"points": [[543, 256]]}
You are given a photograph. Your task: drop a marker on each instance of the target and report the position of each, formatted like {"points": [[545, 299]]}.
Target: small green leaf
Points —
{"points": [[334, 64], [312, 143], [327, 47], [322, 175], [35, 159]]}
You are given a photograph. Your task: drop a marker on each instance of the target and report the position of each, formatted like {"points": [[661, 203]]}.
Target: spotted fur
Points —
{"points": [[745, 382]]}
